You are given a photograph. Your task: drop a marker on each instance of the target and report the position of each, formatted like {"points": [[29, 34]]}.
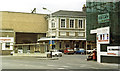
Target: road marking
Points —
{"points": [[93, 67], [50, 65], [60, 68], [65, 66], [109, 64]]}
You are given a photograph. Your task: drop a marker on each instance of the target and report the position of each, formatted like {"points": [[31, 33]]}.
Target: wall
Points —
{"points": [[24, 22]]}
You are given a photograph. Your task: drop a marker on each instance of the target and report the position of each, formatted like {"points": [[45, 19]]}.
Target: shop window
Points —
{"points": [[20, 48], [103, 47], [60, 45], [7, 45]]}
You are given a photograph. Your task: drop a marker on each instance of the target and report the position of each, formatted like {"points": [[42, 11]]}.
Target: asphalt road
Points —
{"points": [[65, 62]]}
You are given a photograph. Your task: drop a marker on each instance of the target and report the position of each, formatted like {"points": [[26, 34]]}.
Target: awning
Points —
{"points": [[46, 39], [27, 44]]}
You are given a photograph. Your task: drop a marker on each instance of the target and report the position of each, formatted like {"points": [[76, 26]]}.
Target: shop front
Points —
{"points": [[33, 49], [63, 43], [6, 44]]}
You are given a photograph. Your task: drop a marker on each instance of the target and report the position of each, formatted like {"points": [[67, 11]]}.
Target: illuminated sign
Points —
{"points": [[103, 35], [103, 18]]}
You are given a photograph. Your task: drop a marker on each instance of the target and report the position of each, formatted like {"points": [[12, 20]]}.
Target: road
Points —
{"points": [[65, 62]]}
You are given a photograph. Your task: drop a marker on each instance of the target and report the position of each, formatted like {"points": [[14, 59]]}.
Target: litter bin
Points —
{"points": [[49, 55], [94, 55]]}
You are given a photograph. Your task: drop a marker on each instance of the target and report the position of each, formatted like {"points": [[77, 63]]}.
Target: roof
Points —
{"points": [[69, 13]]}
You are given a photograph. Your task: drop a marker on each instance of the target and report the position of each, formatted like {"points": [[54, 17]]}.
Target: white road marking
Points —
{"points": [[50, 65], [65, 66], [61, 68]]}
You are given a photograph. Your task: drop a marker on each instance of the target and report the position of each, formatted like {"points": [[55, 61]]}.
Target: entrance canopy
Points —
{"points": [[46, 39]]}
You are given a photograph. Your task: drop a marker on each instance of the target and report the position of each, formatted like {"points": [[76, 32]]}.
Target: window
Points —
{"points": [[80, 23], [62, 33], [7, 45], [80, 34], [63, 23], [53, 25], [71, 23], [71, 33]]}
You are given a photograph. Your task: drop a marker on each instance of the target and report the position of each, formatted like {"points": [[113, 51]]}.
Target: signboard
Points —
{"points": [[103, 35], [6, 39], [51, 42], [113, 50], [103, 18]]}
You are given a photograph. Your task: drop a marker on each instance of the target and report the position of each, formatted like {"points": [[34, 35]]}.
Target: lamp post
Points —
{"points": [[50, 30]]}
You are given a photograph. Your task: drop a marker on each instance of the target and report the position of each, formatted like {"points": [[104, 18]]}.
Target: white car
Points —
{"points": [[12, 53], [55, 53]]}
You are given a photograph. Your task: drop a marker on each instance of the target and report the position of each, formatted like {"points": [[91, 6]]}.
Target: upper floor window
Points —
{"points": [[53, 23], [72, 23], [62, 33], [63, 23], [80, 24], [81, 34], [71, 33]]}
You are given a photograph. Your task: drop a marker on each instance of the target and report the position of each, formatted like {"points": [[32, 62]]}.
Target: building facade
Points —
{"points": [[103, 28], [22, 29], [66, 29]]}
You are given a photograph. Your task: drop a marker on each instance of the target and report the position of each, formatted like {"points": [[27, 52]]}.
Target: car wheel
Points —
{"points": [[53, 55], [56, 55], [59, 55]]}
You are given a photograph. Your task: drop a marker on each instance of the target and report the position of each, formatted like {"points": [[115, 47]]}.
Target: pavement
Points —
{"points": [[65, 62]]}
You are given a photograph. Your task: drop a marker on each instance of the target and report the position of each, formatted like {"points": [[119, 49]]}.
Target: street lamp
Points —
{"points": [[50, 29]]}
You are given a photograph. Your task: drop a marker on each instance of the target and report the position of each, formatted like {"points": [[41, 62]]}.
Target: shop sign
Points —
{"points": [[113, 50], [6, 39], [103, 18], [103, 35]]}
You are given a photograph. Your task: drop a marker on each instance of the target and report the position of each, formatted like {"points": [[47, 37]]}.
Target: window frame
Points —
{"points": [[81, 35], [63, 33], [79, 25], [70, 23], [7, 45], [71, 33], [61, 23], [51, 21]]}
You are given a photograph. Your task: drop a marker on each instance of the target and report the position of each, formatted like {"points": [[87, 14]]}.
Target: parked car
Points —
{"points": [[80, 51], [68, 51], [90, 51], [12, 53], [55, 53]]}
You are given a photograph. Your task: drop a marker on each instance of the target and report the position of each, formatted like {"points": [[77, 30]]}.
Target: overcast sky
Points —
{"points": [[53, 5]]}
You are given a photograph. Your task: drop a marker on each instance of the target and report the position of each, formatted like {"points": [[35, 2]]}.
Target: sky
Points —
{"points": [[52, 5]]}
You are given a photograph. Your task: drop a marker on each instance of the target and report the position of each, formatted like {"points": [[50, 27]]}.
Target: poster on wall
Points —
{"points": [[113, 50], [103, 35]]}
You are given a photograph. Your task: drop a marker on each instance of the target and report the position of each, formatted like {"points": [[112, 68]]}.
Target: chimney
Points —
{"points": [[84, 8], [34, 10]]}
